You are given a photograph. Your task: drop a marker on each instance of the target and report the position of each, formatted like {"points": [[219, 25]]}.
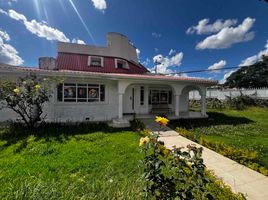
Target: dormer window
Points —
{"points": [[95, 61], [121, 64]]}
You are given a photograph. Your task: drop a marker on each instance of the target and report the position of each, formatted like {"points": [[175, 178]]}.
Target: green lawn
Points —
{"points": [[90, 166], [72, 162], [247, 129]]}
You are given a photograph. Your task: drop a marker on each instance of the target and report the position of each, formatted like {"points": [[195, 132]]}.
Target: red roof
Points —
{"points": [[79, 62]]}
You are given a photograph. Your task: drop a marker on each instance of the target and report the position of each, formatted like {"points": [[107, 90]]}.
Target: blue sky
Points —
{"points": [[181, 35]]}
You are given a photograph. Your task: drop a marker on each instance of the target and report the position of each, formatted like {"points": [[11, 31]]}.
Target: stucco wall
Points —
{"points": [[72, 111], [261, 93], [117, 46], [96, 111]]}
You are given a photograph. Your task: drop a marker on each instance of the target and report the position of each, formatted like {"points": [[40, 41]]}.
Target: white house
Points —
{"points": [[108, 84]]}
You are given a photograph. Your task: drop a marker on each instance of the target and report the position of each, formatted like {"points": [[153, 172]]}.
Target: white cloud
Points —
{"points": [[163, 63], [156, 35], [37, 28], [255, 58], [138, 52], [8, 54], [226, 75], [229, 36], [203, 26], [78, 41], [40, 29], [17, 16], [172, 51], [4, 36], [217, 66], [99, 4]]}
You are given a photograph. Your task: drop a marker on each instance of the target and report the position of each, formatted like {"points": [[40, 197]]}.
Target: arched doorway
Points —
{"points": [[192, 101]]}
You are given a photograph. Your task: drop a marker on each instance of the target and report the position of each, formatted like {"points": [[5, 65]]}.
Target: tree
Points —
{"points": [[26, 97], [252, 76]]}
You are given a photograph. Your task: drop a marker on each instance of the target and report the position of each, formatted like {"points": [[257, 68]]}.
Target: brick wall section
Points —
{"points": [[78, 62]]}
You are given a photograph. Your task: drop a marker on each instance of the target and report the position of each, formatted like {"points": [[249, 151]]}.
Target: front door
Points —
{"points": [[129, 100]]}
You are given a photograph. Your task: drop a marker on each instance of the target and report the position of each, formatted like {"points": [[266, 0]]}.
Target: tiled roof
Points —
{"points": [[79, 62], [109, 75]]}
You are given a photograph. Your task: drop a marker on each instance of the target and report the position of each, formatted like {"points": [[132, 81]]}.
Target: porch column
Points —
{"points": [[203, 103], [177, 112], [120, 105]]}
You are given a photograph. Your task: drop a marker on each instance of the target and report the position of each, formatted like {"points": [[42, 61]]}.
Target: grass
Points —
{"points": [[90, 166], [247, 129], [75, 162]]}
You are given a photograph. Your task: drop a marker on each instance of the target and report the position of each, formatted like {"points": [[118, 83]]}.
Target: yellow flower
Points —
{"points": [[161, 120], [24, 82], [16, 90], [144, 140], [37, 87]]}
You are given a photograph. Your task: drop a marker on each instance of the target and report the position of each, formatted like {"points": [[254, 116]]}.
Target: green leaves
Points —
{"points": [[250, 76], [174, 174], [26, 97]]}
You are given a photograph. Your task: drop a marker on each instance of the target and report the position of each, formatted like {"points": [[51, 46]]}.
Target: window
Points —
{"points": [[160, 97], [121, 64], [142, 96], [71, 92], [95, 61]]}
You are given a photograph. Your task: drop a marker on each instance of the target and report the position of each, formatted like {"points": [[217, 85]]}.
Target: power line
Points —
{"points": [[204, 70]]}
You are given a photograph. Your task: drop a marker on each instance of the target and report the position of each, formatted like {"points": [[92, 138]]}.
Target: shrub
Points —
{"points": [[215, 103], [26, 97], [188, 134], [171, 174], [136, 124], [243, 101], [242, 156]]}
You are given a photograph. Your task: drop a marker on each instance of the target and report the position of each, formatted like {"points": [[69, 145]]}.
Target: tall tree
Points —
{"points": [[252, 76]]}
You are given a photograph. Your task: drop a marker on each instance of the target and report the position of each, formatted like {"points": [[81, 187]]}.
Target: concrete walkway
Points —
{"points": [[240, 178]]}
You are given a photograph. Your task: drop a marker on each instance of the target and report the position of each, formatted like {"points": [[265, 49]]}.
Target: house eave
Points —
{"points": [[110, 76]]}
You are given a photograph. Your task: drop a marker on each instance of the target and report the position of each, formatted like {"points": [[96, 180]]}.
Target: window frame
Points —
{"points": [[117, 60], [167, 92], [89, 64], [101, 88]]}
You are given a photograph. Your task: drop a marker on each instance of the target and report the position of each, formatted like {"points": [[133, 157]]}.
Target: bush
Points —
{"points": [[243, 101], [136, 124], [242, 156], [188, 134], [215, 103], [171, 174], [26, 97], [178, 174]]}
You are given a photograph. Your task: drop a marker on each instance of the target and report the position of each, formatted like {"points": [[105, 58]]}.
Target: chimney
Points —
{"points": [[47, 63]]}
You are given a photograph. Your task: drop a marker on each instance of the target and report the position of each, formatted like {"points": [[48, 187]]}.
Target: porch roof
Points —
{"points": [[14, 69]]}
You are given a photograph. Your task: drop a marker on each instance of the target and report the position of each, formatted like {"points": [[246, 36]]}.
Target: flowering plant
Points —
{"points": [[172, 173], [26, 97]]}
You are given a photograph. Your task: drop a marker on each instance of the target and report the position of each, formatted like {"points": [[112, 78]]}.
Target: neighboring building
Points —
{"points": [[108, 84]]}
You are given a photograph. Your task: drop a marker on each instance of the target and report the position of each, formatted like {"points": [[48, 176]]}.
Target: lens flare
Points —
{"points": [[83, 22]]}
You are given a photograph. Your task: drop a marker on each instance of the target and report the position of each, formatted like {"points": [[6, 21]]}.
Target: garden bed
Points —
{"points": [[245, 130]]}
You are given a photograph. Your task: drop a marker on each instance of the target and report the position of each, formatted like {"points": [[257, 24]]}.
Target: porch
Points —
{"points": [[171, 116], [148, 99]]}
